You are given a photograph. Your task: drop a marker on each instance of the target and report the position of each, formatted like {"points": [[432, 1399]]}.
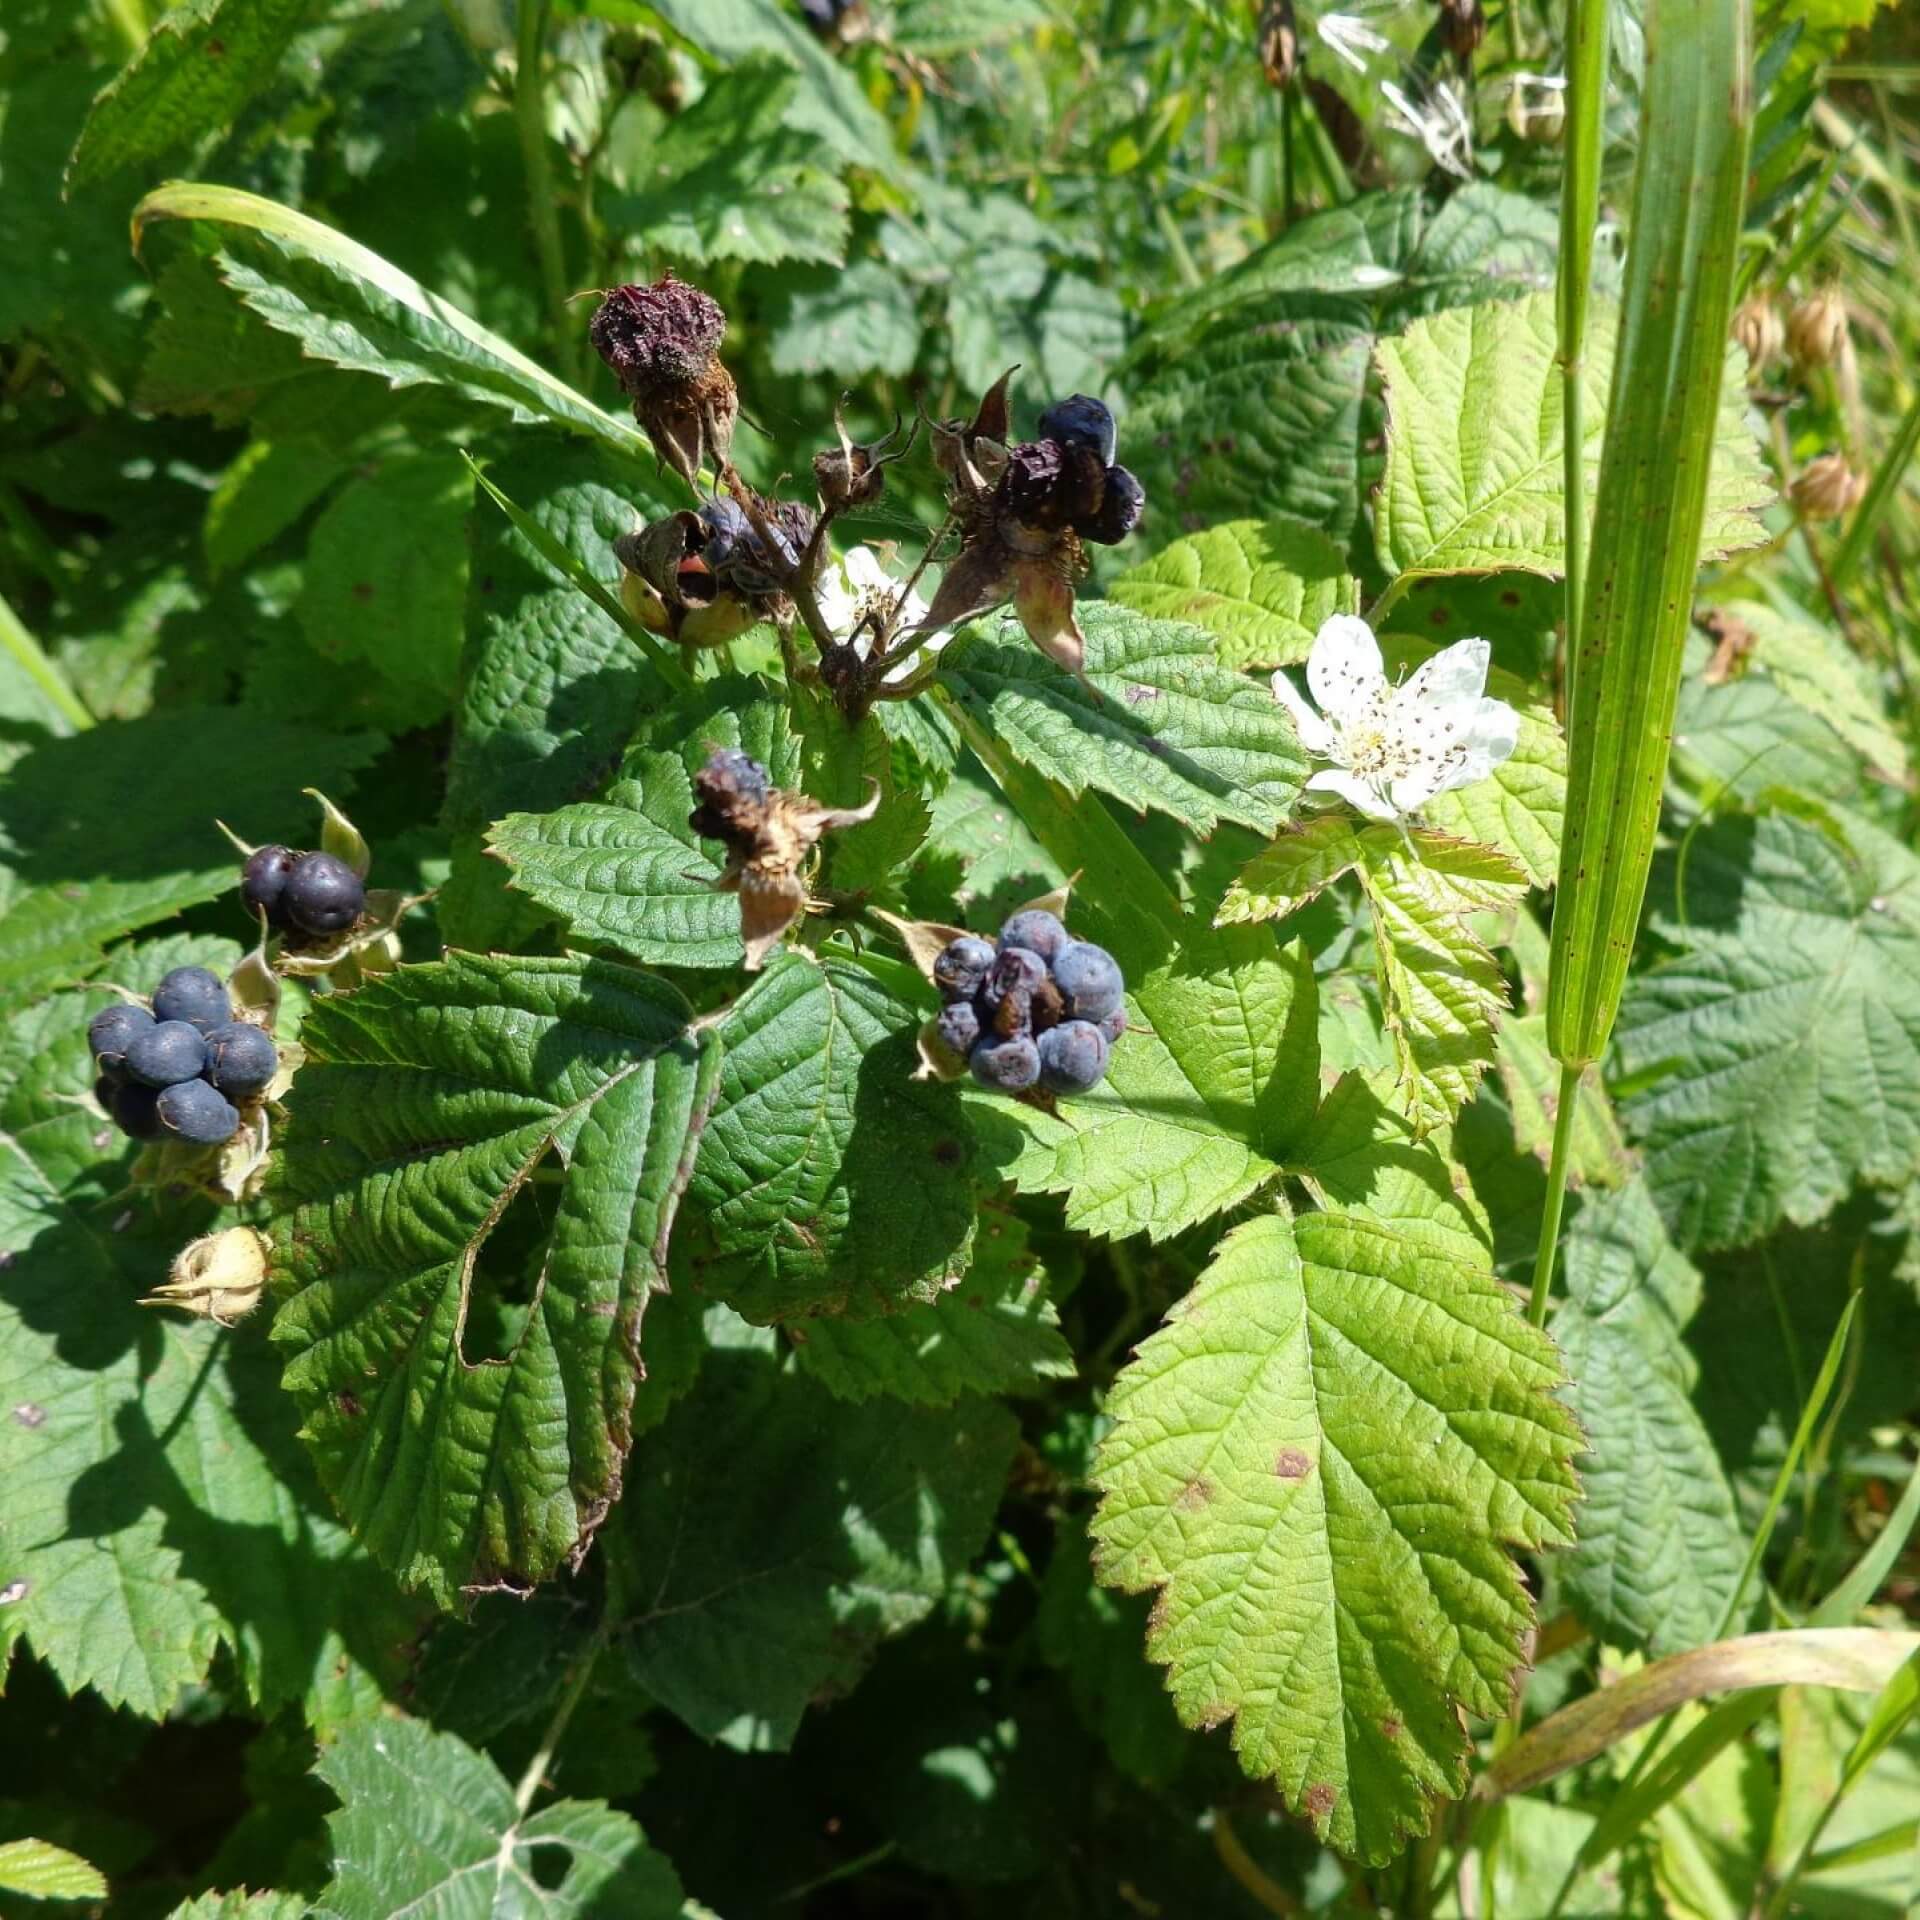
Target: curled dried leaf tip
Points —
{"points": [[768, 833]]}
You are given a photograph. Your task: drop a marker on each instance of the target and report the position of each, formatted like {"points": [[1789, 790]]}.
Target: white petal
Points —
{"points": [[909, 667], [839, 604], [1315, 735], [1360, 793], [864, 571], [1494, 731], [1344, 669], [1458, 672]]}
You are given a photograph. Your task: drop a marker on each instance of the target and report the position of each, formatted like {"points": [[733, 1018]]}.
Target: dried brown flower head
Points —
{"points": [[1817, 328], [662, 343], [1826, 488], [1761, 332], [768, 833]]}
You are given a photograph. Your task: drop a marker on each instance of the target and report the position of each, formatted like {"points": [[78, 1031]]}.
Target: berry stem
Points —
{"points": [[530, 115], [1556, 1195]]}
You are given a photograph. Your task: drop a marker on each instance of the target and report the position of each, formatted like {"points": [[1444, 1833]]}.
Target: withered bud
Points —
{"points": [[852, 475], [662, 343], [1761, 332], [665, 334], [768, 833], [1817, 328], [1052, 484], [1537, 116], [218, 1277], [1464, 25], [1826, 488], [1279, 42], [973, 453]]}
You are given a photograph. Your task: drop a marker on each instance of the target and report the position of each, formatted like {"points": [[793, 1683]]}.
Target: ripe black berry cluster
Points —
{"points": [[1035, 1008], [179, 1066], [1068, 478], [315, 894]]}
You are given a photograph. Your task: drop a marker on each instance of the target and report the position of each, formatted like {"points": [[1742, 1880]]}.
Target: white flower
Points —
{"points": [[858, 585], [1351, 38], [1394, 748], [1441, 124]]}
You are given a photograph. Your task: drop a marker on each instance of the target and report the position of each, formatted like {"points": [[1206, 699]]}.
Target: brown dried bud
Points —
{"points": [[1817, 328], [768, 833], [1761, 332], [1826, 488], [218, 1278], [1464, 24], [1279, 42], [662, 343]]}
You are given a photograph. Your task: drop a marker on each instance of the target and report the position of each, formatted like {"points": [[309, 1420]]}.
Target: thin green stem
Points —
{"points": [[576, 1688], [31, 657], [1556, 1195], [530, 115]]}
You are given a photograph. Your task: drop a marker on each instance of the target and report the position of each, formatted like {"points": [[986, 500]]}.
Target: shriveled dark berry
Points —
{"points": [[1008, 1066], [194, 995], [960, 968], [241, 1059], [167, 1053], [1081, 420], [263, 880], [1015, 971], [1121, 508], [666, 332], [960, 1027], [1073, 1057], [136, 1111], [112, 1028], [1032, 479], [324, 895], [1089, 978], [1037, 930], [733, 789], [198, 1113]]}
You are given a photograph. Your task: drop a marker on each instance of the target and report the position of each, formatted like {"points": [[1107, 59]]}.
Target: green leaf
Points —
{"points": [[1214, 1081], [263, 492], [778, 1537], [627, 871], [551, 688], [724, 182], [348, 307], [1156, 722], [980, 855], [860, 320], [993, 1332], [1786, 1036], [44, 1872], [114, 828], [243, 1906], [1660, 1547], [427, 1825], [1261, 587], [386, 582], [829, 1179], [1474, 463], [201, 64], [473, 1428], [1323, 1460], [1733, 741], [153, 1501]]}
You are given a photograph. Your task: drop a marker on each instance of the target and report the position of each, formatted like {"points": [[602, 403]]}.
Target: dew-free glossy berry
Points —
{"points": [[323, 894], [112, 1028], [263, 880], [1037, 930], [959, 1027], [961, 967], [136, 1111], [1081, 420], [1008, 1066], [1089, 978], [197, 1113], [1073, 1056], [241, 1059], [167, 1053], [194, 995]]}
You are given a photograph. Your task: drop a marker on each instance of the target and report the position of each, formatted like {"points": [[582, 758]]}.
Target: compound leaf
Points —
{"points": [[829, 1179], [774, 1538], [427, 1825], [1323, 1459], [1474, 463], [1660, 1547], [995, 1332], [1781, 1049], [1260, 587], [428, 1101], [1156, 721]]}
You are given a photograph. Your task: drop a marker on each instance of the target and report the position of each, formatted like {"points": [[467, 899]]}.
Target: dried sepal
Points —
{"points": [[339, 836], [924, 940], [1043, 598], [385, 908], [768, 833], [855, 475], [218, 1277]]}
